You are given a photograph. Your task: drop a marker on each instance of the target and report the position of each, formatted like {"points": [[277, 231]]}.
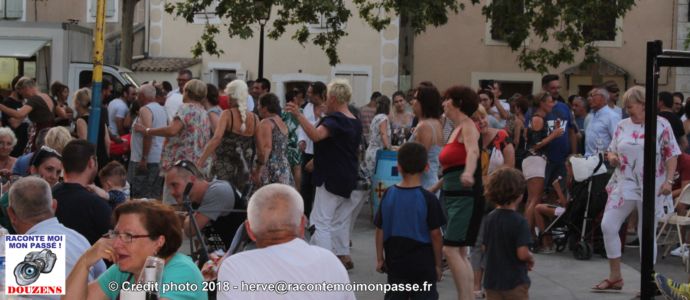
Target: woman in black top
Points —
{"points": [[537, 136], [336, 142]]}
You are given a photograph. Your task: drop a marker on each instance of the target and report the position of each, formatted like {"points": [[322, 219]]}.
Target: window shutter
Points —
{"points": [[110, 6], [15, 9]]}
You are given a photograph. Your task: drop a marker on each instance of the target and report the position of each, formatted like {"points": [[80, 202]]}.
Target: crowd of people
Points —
{"points": [[480, 176]]}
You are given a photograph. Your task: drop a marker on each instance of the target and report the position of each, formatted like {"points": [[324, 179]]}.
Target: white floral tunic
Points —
{"points": [[628, 143]]}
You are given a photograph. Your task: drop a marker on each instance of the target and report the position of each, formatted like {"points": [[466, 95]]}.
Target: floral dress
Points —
{"points": [[277, 168], [375, 144], [293, 154], [190, 142], [628, 144]]}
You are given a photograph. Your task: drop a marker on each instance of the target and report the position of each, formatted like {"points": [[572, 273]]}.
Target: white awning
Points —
{"points": [[21, 48]]}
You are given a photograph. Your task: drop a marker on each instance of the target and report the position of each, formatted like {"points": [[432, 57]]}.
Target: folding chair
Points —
{"points": [[679, 221]]}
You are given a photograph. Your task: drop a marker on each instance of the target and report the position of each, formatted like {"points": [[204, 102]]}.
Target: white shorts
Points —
{"points": [[533, 167]]}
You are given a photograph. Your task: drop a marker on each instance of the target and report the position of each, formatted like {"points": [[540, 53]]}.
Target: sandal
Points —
{"points": [[608, 285], [479, 294]]}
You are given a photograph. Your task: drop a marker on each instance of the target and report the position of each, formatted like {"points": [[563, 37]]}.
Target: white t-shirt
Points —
{"points": [[172, 104], [494, 111], [116, 109], [291, 262]]}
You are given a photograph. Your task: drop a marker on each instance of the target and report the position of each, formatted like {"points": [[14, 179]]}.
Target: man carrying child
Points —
{"points": [[408, 234]]}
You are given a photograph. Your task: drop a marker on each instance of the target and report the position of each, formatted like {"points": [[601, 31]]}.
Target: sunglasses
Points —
{"points": [[187, 165]]}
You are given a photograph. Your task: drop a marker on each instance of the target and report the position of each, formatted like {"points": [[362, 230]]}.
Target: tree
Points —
{"points": [[571, 23], [127, 33]]}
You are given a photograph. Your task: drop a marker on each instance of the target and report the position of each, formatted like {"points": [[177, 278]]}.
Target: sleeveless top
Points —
{"points": [[235, 158], [534, 137], [430, 176], [159, 118], [277, 168], [453, 154]]}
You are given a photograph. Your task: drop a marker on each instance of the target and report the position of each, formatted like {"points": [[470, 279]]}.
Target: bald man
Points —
{"points": [[275, 220]]}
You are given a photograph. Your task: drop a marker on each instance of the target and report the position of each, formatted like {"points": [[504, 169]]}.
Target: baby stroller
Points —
{"points": [[578, 227]]}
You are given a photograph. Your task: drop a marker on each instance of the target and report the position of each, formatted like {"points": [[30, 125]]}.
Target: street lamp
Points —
{"points": [[264, 13]]}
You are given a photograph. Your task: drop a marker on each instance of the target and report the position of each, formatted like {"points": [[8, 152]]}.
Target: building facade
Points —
{"points": [[465, 51]]}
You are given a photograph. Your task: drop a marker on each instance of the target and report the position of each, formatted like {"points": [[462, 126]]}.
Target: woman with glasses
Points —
{"points": [[142, 229], [233, 139], [538, 135]]}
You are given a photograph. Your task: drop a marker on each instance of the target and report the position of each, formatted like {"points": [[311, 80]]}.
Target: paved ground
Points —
{"points": [[555, 276]]}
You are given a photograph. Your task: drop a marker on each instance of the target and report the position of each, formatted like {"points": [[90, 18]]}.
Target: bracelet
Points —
{"points": [[670, 181], [147, 131]]}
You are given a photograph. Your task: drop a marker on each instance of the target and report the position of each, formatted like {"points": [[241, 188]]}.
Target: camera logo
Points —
{"points": [[34, 264], [38, 263]]}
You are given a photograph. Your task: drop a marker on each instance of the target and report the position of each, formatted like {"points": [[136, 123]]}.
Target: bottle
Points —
{"points": [[153, 274]]}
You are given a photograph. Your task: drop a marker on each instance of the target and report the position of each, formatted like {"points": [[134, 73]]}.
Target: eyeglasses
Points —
{"points": [[593, 95], [187, 165], [124, 236]]}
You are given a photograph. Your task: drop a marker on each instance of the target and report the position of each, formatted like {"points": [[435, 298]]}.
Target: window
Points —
{"points": [[85, 80], [111, 11], [223, 76], [12, 9], [208, 15], [321, 24], [502, 27], [603, 29], [361, 86]]}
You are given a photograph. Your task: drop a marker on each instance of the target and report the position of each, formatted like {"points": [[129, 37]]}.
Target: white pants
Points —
{"points": [[332, 216], [611, 225]]}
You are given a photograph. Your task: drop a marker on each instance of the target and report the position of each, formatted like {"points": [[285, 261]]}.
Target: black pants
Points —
{"points": [[307, 188]]}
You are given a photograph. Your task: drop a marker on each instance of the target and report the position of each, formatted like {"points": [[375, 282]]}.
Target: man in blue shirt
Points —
{"points": [[603, 122], [564, 145]]}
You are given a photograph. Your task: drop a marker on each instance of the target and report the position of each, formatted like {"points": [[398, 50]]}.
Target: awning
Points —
{"points": [[21, 48]]}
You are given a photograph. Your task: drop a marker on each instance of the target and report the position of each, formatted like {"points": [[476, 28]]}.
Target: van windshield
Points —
{"points": [[131, 79]]}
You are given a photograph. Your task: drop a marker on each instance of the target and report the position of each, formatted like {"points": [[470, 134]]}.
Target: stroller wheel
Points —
{"points": [[561, 243], [582, 251]]}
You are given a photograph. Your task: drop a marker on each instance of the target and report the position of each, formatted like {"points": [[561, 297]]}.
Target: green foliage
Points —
{"points": [[573, 24]]}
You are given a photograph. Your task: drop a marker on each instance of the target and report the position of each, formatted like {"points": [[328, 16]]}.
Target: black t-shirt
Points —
{"points": [[21, 131], [676, 123], [81, 210], [504, 232]]}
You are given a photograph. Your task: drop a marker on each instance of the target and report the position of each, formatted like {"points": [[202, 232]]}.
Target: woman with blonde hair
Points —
{"points": [[626, 154], [7, 142], [233, 139], [82, 104]]}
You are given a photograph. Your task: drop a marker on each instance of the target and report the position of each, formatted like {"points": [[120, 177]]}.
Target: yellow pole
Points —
{"points": [[99, 41]]}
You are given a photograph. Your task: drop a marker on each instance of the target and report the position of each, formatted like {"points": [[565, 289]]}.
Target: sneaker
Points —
{"points": [[633, 244], [680, 251], [671, 289]]}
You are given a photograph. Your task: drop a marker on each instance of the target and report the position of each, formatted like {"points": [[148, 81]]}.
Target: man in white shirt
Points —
{"points": [[31, 211], [275, 220], [174, 99], [312, 111], [118, 109]]}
